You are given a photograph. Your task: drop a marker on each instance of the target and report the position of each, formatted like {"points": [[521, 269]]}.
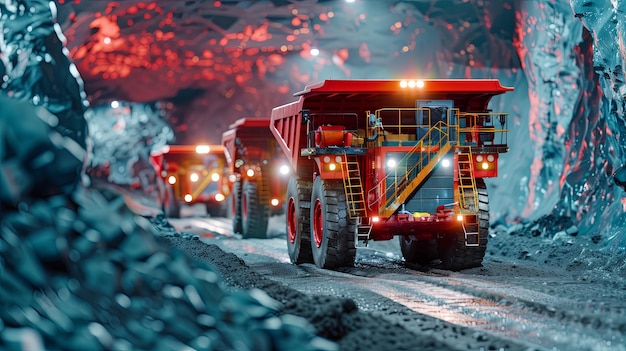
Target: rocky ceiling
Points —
{"points": [[208, 63], [212, 62]]}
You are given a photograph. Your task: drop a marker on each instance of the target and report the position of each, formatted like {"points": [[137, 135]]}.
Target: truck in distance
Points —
{"points": [[192, 174], [258, 175]]}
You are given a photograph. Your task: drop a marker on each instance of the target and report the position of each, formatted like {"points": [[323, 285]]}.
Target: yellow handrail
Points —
{"points": [[455, 129]]}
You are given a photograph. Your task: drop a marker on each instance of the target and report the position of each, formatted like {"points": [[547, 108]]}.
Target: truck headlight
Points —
{"points": [[203, 149]]}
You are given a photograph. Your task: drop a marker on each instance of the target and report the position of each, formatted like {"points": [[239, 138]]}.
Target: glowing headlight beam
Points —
{"points": [[203, 149]]}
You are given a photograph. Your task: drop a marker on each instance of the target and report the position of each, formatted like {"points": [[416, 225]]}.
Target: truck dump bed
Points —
{"points": [[353, 98]]}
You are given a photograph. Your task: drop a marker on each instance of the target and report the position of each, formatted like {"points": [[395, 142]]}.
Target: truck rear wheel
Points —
{"points": [[418, 251], [171, 207], [454, 254], [217, 209], [298, 208], [255, 211], [235, 207], [332, 231]]}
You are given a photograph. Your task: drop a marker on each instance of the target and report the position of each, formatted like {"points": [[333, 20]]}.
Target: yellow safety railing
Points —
{"points": [[398, 186]]}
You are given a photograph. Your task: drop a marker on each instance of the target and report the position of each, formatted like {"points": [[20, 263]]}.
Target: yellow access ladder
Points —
{"points": [[353, 186], [468, 199], [468, 196]]}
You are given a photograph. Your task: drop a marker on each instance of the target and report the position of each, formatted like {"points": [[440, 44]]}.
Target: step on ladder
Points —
{"points": [[471, 228], [468, 198], [353, 187], [363, 231]]}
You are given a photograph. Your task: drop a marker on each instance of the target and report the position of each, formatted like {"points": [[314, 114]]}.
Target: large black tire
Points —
{"points": [[297, 208], [454, 254], [171, 207], [235, 207], [418, 251], [217, 209], [255, 211], [332, 231]]}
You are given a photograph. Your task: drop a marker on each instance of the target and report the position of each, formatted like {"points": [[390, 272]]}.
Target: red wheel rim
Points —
{"points": [[318, 223], [291, 221]]}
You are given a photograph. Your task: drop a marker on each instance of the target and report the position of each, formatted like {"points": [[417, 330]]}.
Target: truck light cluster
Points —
{"points": [[331, 164], [203, 149], [411, 84], [485, 162]]}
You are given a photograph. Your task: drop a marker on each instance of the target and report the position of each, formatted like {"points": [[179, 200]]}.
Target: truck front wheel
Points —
{"points": [[171, 207], [332, 231], [217, 209], [418, 251], [255, 211], [235, 207], [298, 205], [454, 254]]}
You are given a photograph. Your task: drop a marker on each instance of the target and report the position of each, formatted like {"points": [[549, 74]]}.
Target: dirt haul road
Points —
{"points": [[534, 292]]}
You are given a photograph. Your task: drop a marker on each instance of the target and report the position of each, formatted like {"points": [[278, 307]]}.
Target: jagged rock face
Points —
{"points": [[606, 20], [211, 62], [36, 68]]}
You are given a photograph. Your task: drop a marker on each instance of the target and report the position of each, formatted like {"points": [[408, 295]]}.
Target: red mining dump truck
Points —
{"points": [[259, 174], [192, 174], [376, 159]]}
